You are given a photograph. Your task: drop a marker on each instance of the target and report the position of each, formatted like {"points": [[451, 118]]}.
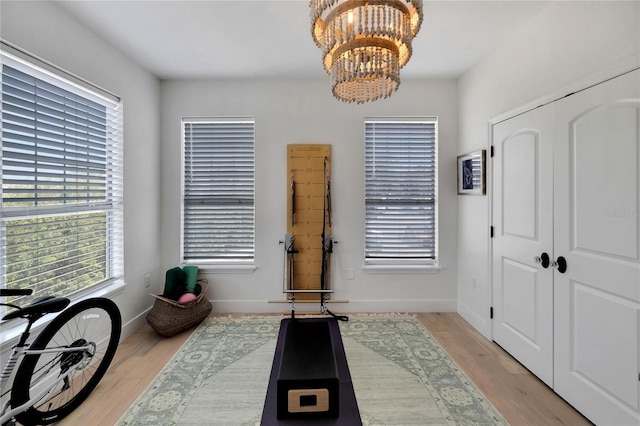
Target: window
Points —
{"points": [[218, 209], [61, 211], [400, 191]]}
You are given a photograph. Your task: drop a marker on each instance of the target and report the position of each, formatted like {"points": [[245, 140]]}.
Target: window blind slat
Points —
{"points": [[400, 190]]}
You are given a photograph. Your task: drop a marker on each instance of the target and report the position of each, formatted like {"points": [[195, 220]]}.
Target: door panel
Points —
{"points": [[520, 174], [522, 217], [519, 314], [591, 331], [604, 185], [597, 224]]}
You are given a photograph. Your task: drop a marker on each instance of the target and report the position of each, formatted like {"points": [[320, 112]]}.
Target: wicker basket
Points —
{"points": [[168, 317]]}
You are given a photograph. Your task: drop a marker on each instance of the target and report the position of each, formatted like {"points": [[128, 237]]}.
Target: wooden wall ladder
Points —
{"points": [[308, 244]]}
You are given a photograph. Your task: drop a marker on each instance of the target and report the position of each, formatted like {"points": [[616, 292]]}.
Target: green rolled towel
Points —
{"points": [[174, 284], [191, 278]]}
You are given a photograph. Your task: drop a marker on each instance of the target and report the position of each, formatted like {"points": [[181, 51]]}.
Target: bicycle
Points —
{"points": [[62, 365]]}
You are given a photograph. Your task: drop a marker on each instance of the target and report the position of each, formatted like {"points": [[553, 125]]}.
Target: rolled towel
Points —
{"points": [[191, 278], [174, 284]]}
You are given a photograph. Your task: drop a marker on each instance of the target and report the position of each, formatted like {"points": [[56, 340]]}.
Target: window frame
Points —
{"points": [[383, 264], [226, 264], [111, 206]]}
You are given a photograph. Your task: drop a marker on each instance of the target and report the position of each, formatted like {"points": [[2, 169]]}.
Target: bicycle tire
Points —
{"points": [[95, 321]]}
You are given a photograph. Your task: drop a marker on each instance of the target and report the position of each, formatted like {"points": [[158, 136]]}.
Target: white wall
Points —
{"points": [[569, 46], [305, 112], [46, 30]]}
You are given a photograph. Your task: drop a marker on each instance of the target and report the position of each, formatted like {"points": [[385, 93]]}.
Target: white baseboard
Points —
{"points": [[483, 325], [351, 306], [133, 325], [420, 305]]}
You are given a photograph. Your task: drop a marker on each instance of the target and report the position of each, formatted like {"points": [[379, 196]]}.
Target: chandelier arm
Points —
{"points": [[361, 43], [350, 5]]}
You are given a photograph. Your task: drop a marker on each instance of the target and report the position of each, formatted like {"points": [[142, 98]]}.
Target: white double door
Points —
{"points": [[566, 194]]}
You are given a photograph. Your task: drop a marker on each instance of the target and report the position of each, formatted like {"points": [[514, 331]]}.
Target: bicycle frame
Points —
{"points": [[22, 349]]}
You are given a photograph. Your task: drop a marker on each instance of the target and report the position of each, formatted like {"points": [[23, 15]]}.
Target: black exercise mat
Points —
{"points": [[349, 413]]}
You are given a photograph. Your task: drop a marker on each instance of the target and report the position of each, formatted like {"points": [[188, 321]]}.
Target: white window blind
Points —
{"points": [[218, 210], [61, 211], [400, 191]]}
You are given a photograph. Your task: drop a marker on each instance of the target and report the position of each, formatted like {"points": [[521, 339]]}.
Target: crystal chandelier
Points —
{"points": [[364, 44]]}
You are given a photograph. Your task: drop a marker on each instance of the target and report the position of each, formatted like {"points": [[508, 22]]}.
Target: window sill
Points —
{"points": [[401, 269], [226, 269], [107, 290], [12, 329]]}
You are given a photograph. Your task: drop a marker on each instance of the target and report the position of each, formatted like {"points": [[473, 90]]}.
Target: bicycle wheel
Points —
{"points": [[95, 322]]}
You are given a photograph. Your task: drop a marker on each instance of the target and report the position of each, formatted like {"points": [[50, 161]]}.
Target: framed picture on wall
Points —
{"points": [[471, 173]]}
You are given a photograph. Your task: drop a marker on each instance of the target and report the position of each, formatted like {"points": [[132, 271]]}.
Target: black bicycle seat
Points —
{"points": [[39, 307]]}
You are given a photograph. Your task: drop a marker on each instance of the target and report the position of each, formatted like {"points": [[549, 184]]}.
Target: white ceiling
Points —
{"points": [[267, 39]]}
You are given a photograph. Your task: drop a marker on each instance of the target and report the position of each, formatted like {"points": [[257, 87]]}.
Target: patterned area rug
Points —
{"points": [[401, 376]]}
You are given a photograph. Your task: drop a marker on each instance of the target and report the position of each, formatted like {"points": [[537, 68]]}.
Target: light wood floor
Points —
{"points": [[515, 392]]}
